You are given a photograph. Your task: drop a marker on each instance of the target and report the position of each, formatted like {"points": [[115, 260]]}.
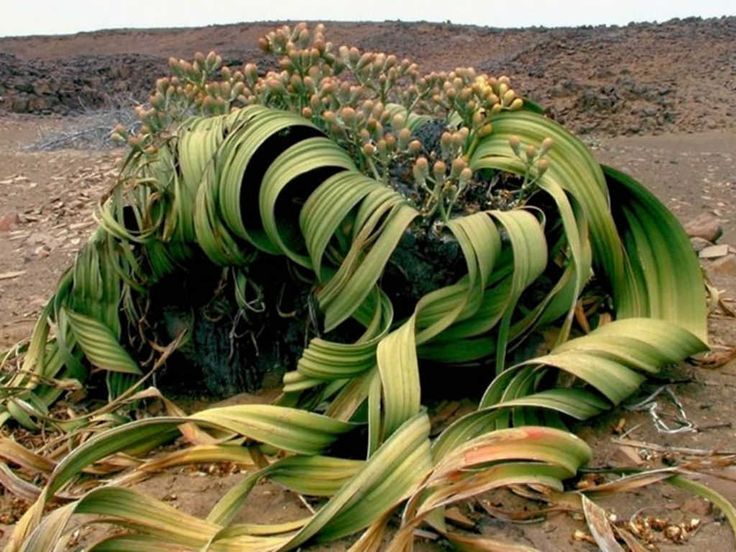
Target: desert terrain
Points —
{"points": [[655, 100]]}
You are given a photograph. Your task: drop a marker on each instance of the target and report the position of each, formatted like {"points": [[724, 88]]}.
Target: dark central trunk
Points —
{"points": [[232, 349]]}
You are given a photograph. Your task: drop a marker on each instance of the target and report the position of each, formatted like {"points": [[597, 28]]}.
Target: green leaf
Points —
{"points": [[100, 345], [285, 428], [668, 273]]}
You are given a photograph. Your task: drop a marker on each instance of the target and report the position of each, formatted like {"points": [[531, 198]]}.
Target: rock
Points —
{"points": [[19, 105], [557, 91], [725, 266], [626, 456], [37, 104], [596, 100], [41, 87], [704, 226], [699, 244], [649, 111], [8, 221], [24, 87], [714, 252], [697, 506]]}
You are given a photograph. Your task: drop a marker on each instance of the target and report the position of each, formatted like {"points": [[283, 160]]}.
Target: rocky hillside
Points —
{"points": [[641, 78]]}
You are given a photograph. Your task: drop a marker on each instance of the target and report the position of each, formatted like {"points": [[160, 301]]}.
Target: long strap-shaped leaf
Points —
{"points": [[660, 253], [100, 345], [562, 297], [574, 168], [326, 210], [340, 301], [608, 360], [397, 355], [378, 485], [529, 455], [285, 428], [239, 171], [292, 169]]}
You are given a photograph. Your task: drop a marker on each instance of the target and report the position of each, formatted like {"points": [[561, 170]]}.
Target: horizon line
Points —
{"points": [[365, 22]]}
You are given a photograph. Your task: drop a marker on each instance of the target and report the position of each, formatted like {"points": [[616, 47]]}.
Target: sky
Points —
{"points": [[24, 17]]}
